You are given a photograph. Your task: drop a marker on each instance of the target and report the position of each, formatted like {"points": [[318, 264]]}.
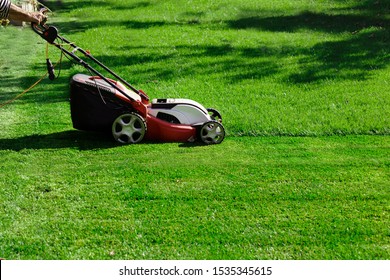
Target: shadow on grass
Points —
{"points": [[352, 59], [74, 139], [349, 59], [364, 50], [312, 21], [374, 7], [60, 5], [7, 82], [67, 139], [43, 93]]}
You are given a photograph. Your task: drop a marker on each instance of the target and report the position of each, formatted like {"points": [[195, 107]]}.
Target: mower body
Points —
{"points": [[179, 111], [101, 104], [97, 105]]}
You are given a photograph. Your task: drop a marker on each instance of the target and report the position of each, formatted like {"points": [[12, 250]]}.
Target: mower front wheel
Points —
{"points": [[129, 128], [212, 132]]}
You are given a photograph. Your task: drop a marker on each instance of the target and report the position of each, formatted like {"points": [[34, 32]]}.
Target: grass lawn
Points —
{"points": [[303, 88]]}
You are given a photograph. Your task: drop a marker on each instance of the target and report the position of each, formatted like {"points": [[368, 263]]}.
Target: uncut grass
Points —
{"points": [[285, 69]]}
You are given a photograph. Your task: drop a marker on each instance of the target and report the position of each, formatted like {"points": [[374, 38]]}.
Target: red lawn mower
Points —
{"points": [[99, 103]]}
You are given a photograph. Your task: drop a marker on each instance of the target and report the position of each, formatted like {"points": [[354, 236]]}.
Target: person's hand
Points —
{"points": [[38, 17]]}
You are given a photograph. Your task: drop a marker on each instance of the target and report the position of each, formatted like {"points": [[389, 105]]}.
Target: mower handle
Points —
{"points": [[49, 33], [38, 28]]}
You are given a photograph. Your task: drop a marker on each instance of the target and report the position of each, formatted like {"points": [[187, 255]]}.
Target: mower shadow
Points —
{"points": [[66, 139], [73, 139]]}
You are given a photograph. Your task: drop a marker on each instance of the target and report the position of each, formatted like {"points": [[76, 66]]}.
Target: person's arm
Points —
{"points": [[4, 8], [18, 14], [13, 12]]}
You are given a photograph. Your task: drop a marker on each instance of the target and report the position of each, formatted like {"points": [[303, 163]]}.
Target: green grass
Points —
{"points": [[303, 87], [278, 198]]}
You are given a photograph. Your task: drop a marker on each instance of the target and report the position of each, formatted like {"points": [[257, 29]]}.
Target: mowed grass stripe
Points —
{"points": [[268, 198]]}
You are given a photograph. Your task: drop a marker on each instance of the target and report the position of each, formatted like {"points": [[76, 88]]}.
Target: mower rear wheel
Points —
{"points": [[214, 114], [129, 128], [212, 132]]}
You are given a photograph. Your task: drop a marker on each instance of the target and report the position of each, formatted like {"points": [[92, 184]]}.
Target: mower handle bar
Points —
{"points": [[50, 34]]}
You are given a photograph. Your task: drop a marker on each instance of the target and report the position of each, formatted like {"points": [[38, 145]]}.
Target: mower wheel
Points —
{"points": [[212, 132], [129, 128], [214, 115]]}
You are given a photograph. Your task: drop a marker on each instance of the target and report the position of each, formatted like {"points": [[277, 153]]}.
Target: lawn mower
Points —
{"points": [[99, 103]]}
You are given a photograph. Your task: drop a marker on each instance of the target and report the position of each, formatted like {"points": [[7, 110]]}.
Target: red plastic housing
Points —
{"points": [[159, 130]]}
